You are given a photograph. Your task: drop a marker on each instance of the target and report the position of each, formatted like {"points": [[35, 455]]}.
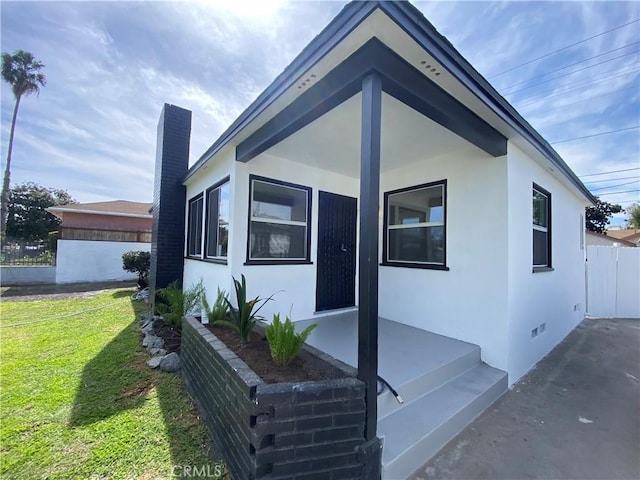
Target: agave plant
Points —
{"points": [[284, 342], [244, 317]]}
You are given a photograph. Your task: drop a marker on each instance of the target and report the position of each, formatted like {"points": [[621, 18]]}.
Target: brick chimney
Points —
{"points": [[169, 197]]}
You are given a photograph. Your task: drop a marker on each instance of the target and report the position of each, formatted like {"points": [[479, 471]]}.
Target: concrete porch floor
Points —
{"points": [[404, 352], [442, 381]]}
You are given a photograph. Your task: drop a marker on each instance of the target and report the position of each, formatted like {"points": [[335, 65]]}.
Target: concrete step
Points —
{"points": [[454, 362], [415, 432]]}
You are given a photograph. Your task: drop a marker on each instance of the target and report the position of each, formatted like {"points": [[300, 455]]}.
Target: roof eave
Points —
{"points": [[55, 210], [413, 22]]}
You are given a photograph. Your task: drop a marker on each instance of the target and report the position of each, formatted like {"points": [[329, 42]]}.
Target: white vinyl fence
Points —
{"points": [[613, 282]]}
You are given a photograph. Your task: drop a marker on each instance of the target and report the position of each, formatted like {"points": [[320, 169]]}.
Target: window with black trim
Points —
{"points": [[415, 226], [541, 227], [279, 221], [194, 226], [217, 223]]}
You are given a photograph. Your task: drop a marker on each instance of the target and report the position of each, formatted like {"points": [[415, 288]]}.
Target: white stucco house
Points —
{"points": [[381, 174]]}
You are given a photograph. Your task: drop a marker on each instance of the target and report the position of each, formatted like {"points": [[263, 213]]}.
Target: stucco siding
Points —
{"points": [[468, 302], [295, 284], [91, 261], [213, 275], [554, 298]]}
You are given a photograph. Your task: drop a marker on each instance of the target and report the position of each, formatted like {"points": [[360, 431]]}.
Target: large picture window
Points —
{"points": [[415, 226], [279, 221], [217, 225], [541, 228], [194, 226]]}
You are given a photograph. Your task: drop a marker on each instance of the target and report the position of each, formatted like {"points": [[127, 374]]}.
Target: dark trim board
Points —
{"points": [[399, 79]]}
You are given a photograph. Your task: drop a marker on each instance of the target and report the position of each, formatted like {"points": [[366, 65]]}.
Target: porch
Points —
{"points": [[442, 381]]}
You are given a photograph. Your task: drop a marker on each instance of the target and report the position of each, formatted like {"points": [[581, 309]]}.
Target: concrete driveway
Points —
{"points": [[575, 416]]}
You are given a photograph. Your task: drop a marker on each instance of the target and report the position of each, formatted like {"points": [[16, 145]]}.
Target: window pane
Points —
{"points": [[416, 206], [278, 202], [195, 227], [223, 221], [419, 244], [540, 254], [271, 240], [539, 209], [212, 223]]}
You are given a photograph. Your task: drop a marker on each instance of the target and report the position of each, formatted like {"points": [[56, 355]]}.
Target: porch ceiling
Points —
{"points": [[332, 141]]}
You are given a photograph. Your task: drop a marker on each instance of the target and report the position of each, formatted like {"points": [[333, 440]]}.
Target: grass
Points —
{"points": [[78, 401]]}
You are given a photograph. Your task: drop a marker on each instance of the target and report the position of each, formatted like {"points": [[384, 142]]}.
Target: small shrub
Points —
{"points": [[220, 307], [284, 342], [178, 303], [138, 262], [243, 318]]}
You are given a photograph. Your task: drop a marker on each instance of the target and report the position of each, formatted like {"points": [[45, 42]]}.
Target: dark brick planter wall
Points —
{"points": [[310, 430]]}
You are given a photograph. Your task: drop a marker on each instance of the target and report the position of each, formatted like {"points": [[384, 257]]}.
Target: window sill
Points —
{"points": [[415, 265], [278, 262], [218, 261], [541, 269]]}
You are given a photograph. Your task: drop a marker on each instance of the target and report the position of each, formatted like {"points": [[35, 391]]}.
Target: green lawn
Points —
{"points": [[78, 401]]}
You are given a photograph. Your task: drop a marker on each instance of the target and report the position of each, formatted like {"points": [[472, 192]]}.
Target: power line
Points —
{"points": [[614, 186], [574, 87], [616, 193], [607, 173], [574, 71], [595, 135], [577, 101], [573, 64], [563, 48], [613, 179], [564, 105]]}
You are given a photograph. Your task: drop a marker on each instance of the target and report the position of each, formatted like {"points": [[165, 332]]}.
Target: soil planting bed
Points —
{"points": [[256, 354], [170, 334]]}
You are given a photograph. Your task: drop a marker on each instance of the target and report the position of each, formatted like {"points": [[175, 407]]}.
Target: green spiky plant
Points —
{"points": [[178, 302], [220, 308], [283, 340], [244, 317]]}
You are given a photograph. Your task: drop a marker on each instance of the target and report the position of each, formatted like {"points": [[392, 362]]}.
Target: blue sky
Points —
{"points": [[112, 65]]}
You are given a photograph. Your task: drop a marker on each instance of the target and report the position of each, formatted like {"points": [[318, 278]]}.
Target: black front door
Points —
{"points": [[336, 282]]}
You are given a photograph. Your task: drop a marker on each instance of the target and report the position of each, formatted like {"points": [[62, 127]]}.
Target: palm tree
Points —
{"points": [[22, 72]]}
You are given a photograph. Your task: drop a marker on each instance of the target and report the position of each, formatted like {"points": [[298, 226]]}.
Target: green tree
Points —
{"points": [[634, 216], [22, 72], [28, 218], [598, 215]]}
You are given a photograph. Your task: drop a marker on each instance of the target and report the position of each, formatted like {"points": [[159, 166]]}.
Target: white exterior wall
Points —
{"points": [[295, 284], [469, 301], [94, 261], [555, 298], [214, 275]]}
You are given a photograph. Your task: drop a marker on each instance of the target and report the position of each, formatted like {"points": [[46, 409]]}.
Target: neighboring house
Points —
{"points": [[631, 235], [93, 236], [607, 240], [353, 182]]}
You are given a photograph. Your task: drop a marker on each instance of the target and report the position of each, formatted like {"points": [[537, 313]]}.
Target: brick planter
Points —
{"points": [[309, 430]]}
